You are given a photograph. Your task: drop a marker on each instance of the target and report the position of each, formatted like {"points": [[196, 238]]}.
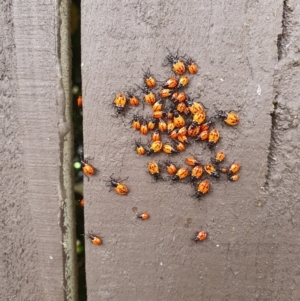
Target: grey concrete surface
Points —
{"points": [[33, 131], [247, 64]]}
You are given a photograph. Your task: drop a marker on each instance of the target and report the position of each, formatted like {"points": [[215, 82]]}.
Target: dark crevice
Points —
{"points": [[282, 48], [273, 143], [78, 145], [283, 41]]}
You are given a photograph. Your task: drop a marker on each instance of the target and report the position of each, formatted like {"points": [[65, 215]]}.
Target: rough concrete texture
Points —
{"points": [[33, 128], [18, 245], [252, 250]]}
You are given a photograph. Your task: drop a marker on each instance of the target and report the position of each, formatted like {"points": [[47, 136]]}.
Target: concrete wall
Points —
{"points": [[37, 223], [248, 53], [248, 62]]}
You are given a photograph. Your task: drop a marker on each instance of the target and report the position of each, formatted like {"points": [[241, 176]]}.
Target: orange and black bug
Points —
{"points": [[205, 126], [171, 167], [200, 236], [211, 170], [79, 101], [149, 80], [193, 130], [133, 100], [155, 136], [157, 106], [177, 65], [119, 187], [158, 114], [220, 157], [151, 123], [170, 127], [171, 83], [213, 138], [169, 149], [183, 139], [202, 136], [155, 147], [191, 161], [139, 148], [191, 66], [229, 117], [202, 188], [181, 174], [199, 118], [174, 96], [120, 102], [182, 131], [196, 173], [136, 122], [169, 112], [179, 145], [144, 127], [181, 107], [149, 96], [87, 168], [81, 202], [96, 240], [178, 120], [234, 168], [194, 107], [233, 178], [173, 134], [153, 169], [143, 216], [164, 93], [183, 81], [179, 96], [162, 125]]}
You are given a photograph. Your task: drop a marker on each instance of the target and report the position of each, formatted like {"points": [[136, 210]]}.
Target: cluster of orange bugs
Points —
{"points": [[176, 121]]}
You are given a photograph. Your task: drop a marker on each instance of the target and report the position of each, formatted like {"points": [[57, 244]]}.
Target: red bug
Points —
{"points": [[196, 173], [119, 103], [96, 240], [87, 168], [143, 216], [144, 127], [119, 187], [220, 157], [155, 136], [171, 167], [133, 100], [181, 174], [200, 236], [81, 202], [191, 66], [79, 101], [202, 189], [229, 117], [139, 148], [183, 81], [213, 138], [149, 96], [177, 65], [171, 83], [191, 161], [149, 79], [136, 122]]}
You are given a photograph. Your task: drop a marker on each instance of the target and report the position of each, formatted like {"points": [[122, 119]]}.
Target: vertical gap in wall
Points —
{"points": [[282, 49], [78, 144]]}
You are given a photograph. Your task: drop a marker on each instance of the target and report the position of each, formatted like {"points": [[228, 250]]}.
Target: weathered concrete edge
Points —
{"points": [[67, 181]]}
